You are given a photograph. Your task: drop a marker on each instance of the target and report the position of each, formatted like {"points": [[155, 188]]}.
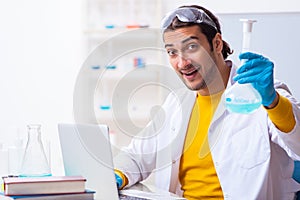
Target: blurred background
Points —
{"points": [[46, 47]]}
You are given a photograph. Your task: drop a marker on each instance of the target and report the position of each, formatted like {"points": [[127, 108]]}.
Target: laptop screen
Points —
{"points": [[86, 151]]}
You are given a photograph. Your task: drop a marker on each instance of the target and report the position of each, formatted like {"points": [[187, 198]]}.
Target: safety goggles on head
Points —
{"points": [[187, 14]]}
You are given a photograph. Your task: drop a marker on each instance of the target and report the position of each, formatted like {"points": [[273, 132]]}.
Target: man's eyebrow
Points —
{"points": [[184, 41], [190, 38]]}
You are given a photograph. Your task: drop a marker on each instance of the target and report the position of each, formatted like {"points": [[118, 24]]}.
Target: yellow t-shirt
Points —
{"points": [[197, 173]]}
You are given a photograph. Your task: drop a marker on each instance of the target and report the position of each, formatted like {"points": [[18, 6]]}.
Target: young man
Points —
{"points": [[197, 148]]}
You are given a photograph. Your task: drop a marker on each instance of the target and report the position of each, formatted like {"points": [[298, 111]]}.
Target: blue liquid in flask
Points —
{"points": [[242, 98]]}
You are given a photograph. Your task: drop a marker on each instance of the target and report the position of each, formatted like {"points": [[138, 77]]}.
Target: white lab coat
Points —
{"points": [[253, 159]]}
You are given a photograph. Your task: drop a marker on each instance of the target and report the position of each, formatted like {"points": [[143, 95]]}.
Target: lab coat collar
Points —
{"points": [[221, 109], [233, 70]]}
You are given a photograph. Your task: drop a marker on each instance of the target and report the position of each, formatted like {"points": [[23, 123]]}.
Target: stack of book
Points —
{"points": [[46, 188]]}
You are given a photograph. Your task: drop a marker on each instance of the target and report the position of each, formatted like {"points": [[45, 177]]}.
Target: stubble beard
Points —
{"points": [[199, 86], [207, 78]]}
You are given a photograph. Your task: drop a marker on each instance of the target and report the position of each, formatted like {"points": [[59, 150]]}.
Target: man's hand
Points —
{"points": [[258, 71], [119, 181]]}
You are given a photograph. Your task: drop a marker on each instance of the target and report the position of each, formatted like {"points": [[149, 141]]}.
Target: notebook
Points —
{"points": [[86, 151]]}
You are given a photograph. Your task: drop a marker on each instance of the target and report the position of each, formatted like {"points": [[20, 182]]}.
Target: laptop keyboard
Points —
{"points": [[126, 197]]}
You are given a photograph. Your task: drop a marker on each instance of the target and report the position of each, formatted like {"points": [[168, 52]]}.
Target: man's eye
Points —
{"points": [[192, 46], [171, 52]]}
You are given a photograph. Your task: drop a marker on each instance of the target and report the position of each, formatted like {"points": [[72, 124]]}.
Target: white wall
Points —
{"points": [[40, 55], [240, 6]]}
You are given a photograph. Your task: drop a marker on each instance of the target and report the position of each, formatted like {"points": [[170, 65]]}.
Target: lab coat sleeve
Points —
{"points": [[138, 160], [290, 142]]}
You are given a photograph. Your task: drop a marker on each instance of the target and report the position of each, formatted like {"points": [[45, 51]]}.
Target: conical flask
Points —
{"points": [[243, 98], [35, 163]]}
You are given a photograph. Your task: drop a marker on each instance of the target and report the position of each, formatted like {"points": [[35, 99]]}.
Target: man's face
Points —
{"points": [[191, 57]]}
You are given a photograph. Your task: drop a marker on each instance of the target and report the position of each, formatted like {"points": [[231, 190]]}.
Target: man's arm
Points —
{"points": [[281, 114]]}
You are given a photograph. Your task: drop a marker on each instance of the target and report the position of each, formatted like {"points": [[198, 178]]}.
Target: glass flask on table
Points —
{"points": [[34, 163]]}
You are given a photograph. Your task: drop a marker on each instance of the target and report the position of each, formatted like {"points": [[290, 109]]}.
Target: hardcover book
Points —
{"points": [[87, 195], [44, 185]]}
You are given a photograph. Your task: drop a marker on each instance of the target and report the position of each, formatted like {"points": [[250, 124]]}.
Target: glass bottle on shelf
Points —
{"points": [[35, 163], [105, 99]]}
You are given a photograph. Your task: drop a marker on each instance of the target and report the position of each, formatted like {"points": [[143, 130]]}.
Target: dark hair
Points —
{"points": [[206, 29]]}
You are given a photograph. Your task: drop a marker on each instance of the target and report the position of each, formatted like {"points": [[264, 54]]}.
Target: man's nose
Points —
{"points": [[183, 61]]}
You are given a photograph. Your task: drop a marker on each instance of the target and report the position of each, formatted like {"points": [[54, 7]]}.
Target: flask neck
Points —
{"points": [[34, 133]]}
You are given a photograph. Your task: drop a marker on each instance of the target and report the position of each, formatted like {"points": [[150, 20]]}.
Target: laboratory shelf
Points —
{"points": [[128, 75], [129, 92], [105, 32]]}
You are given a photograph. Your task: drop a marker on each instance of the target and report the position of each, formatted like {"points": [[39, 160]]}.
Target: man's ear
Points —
{"points": [[218, 43]]}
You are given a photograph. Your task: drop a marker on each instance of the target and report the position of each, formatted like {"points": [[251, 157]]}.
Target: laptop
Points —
{"points": [[86, 151]]}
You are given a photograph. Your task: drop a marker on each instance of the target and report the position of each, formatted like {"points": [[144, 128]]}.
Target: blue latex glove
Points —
{"points": [[296, 173], [258, 71], [119, 181]]}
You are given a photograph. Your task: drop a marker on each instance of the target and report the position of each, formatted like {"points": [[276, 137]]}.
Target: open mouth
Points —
{"points": [[190, 74]]}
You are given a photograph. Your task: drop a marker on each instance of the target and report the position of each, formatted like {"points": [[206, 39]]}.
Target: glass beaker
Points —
{"points": [[243, 98], [35, 163]]}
